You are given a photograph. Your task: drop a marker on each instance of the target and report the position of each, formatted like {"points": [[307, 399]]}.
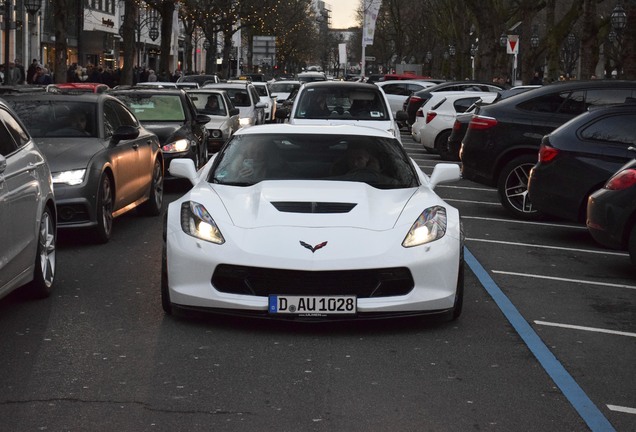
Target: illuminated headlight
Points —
{"points": [[244, 121], [176, 146], [197, 222], [215, 133], [430, 226], [71, 178]]}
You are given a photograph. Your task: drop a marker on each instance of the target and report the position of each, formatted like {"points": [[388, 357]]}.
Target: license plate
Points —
{"points": [[312, 305]]}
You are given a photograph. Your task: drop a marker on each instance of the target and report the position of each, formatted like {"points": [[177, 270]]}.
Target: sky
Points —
{"points": [[343, 13]]}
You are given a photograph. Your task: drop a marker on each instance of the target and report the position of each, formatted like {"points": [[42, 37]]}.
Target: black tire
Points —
{"points": [[441, 145], [153, 206], [165, 293], [513, 187], [44, 270], [631, 246], [104, 210]]}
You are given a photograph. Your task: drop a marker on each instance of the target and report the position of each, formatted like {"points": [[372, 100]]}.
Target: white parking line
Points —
{"points": [[600, 252], [626, 410], [468, 188], [472, 202], [604, 284], [590, 329], [558, 225]]}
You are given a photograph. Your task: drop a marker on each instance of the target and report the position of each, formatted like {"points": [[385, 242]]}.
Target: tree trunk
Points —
{"points": [[60, 15], [130, 49], [589, 40], [166, 10]]}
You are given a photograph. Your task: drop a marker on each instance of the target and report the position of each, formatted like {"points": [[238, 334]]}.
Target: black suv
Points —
{"points": [[502, 141], [172, 116]]}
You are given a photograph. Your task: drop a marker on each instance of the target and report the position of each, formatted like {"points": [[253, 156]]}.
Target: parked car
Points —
{"points": [[502, 141], [306, 77], [397, 91], [577, 158], [77, 88], [200, 79], [283, 90], [435, 119], [172, 116], [357, 229], [611, 211], [417, 99], [103, 162], [224, 117], [27, 211], [262, 88], [244, 97], [341, 102]]}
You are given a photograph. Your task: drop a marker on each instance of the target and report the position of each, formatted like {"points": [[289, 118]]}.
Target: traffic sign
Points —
{"points": [[513, 44]]}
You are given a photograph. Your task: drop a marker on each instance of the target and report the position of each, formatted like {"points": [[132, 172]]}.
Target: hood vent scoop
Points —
{"points": [[313, 207]]}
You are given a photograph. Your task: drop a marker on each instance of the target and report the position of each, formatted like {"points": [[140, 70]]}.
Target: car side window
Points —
{"points": [[111, 120], [126, 117], [614, 129], [395, 89], [20, 136], [549, 103], [461, 105], [597, 97], [255, 97], [7, 144]]}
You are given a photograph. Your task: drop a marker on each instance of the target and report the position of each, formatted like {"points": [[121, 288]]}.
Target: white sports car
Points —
{"points": [[313, 222]]}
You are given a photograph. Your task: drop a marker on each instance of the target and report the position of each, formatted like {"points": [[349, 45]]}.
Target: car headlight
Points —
{"points": [[197, 222], [246, 121], [72, 178], [215, 133], [429, 226], [177, 146]]}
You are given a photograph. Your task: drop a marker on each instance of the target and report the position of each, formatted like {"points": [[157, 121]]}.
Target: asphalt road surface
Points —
{"points": [[545, 343]]}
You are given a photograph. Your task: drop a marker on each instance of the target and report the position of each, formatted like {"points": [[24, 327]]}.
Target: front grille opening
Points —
{"points": [[313, 207], [259, 281]]}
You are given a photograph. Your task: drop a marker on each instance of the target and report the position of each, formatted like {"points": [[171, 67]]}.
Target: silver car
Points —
{"points": [[27, 211], [224, 117]]}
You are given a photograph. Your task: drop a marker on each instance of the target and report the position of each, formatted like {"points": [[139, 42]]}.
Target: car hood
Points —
{"points": [[385, 125], [281, 96], [167, 131], [217, 122], [69, 153], [286, 203]]}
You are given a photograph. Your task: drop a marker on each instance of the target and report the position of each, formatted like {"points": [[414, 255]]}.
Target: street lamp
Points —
{"points": [[151, 21], [618, 18], [32, 7]]}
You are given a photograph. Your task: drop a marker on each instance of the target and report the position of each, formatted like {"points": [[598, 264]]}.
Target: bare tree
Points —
{"points": [[60, 14]]}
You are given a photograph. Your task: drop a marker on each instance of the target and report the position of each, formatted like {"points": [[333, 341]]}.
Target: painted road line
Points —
{"points": [[589, 329], [594, 418], [600, 252], [581, 281], [467, 188], [472, 202], [517, 221], [622, 409]]}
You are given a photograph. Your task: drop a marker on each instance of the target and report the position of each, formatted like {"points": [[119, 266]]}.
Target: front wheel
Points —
{"points": [[152, 207], [441, 145], [44, 270], [104, 211], [513, 187]]}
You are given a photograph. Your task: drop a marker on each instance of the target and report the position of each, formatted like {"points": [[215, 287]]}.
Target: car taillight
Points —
{"points": [[430, 116], [457, 125], [547, 153], [419, 113], [622, 180], [415, 101], [482, 122]]}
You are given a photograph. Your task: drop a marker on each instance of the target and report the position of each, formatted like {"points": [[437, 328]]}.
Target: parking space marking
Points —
{"points": [[627, 410], [586, 282], [590, 329], [467, 188], [568, 386], [594, 251], [472, 202], [516, 221]]}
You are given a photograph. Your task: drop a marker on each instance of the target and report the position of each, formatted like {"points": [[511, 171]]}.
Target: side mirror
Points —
{"points": [[183, 168], [234, 111], [260, 105], [282, 113], [202, 119], [444, 173], [124, 133]]}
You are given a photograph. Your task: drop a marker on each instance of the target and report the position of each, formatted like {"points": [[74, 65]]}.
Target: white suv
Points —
{"points": [[338, 102], [434, 120]]}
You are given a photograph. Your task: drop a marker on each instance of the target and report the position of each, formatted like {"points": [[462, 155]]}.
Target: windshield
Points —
{"points": [[209, 103], [155, 107], [239, 96], [58, 119], [341, 103], [261, 90], [249, 159]]}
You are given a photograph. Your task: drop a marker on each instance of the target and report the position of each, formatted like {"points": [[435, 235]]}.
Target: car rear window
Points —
{"points": [[56, 119], [155, 107], [342, 103]]}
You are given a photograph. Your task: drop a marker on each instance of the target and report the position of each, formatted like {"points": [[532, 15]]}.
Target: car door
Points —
{"points": [[19, 194], [234, 119], [198, 129], [123, 157]]}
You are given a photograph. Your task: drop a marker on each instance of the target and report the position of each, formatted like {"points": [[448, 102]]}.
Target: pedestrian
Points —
{"points": [[152, 77], [42, 76], [31, 71], [536, 80]]}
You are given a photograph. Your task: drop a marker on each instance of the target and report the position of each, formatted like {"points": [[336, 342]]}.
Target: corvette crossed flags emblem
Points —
{"points": [[313, 248]]}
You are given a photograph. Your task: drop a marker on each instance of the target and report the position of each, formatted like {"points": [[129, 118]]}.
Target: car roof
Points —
{"points": [[242, 84], [286, 128], [339, 84], [148, 89], [48, 96]]}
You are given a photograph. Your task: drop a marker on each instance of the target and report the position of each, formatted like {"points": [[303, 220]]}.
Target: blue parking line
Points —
{"points": [[569, 387]]}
